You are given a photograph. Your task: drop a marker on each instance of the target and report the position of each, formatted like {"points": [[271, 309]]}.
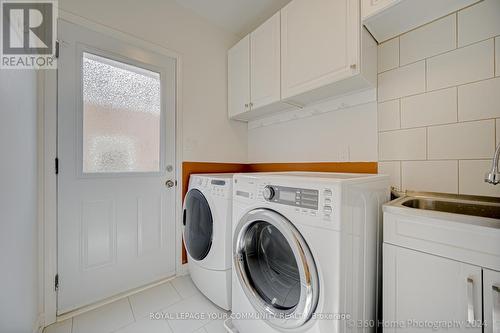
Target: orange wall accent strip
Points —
{"points": [[189, 168], [348, 167]]}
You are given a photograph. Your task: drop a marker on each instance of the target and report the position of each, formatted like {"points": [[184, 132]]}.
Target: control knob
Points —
{"points": [[268, 193]]}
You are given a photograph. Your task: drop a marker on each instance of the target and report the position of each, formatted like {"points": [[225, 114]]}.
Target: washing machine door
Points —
{"points": [[275, 268], [198, 225]]}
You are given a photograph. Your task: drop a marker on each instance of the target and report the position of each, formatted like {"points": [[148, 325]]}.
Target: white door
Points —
{"points": [[421, 290], [319, 42], [265, 62], [116, 150], [238, 63], [491, 296]]}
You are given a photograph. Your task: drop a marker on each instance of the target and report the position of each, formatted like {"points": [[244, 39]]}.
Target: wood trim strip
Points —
{"points": [[189, 168], [347, 167]]}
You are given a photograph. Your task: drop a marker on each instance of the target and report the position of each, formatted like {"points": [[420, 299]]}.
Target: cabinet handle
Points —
{"points": [[470, 300], [495, 310], [246, 105]]}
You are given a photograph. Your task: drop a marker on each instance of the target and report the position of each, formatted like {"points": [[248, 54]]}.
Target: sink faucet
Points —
{"points": [[493, 177]]}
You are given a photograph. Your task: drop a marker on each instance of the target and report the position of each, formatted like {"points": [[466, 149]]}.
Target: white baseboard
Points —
{"points": [[184, 270], [39, 325]]}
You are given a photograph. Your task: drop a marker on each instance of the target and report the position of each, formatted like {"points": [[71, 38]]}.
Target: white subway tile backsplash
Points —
{"points": [[472, 178], [469, 140], [498, 131], [431, 39], [393, 169], [402, 81], [497, 56], [479, 22], [388, 115], [388, 55], [464, 65], [437, 107], [439, 103], [480, 100], [430, 176], [403, 145]]}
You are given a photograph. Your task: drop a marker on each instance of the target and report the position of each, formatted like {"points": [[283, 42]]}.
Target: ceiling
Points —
{"points": [[237, 16]]}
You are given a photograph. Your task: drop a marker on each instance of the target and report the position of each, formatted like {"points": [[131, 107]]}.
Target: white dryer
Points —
{"points": [[207, 235], [305, 248]]}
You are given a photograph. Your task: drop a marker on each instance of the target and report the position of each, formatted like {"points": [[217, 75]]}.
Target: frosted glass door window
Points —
{"points": [[121, 117]]}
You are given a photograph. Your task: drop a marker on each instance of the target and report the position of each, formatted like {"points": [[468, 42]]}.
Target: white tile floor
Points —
{"points": [[174, 299]]}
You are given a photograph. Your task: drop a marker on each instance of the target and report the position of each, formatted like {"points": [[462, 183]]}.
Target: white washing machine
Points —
{"points": [[207, 235], [305, 250]]}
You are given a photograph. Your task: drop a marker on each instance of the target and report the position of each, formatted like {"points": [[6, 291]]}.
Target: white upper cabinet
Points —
{"points": [[310, 51], [238, 60], [257, 73], [389, 18], [265, 74], [370, 7], [320, 42]]}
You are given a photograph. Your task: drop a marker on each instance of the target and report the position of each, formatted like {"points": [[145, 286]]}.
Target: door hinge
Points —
{"points": [[57, 49], [56, 166], [56, 282]]}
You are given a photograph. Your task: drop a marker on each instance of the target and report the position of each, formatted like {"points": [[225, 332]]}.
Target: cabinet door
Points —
{"points": [[370, 7], [491, 295], [238, 62], [420, 288], [320, 41], [265, 63]]}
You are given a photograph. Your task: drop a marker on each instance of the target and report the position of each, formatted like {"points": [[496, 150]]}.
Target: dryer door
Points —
{"points": [[275, 268], [198, 225]]}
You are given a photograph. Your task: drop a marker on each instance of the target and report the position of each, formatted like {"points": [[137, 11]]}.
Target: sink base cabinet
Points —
{"points": [[491, 287], [420, 288]]}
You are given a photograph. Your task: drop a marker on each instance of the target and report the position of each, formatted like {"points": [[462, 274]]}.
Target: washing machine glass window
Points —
{"points": [[198, 225], [275, 268], [271, 266]]}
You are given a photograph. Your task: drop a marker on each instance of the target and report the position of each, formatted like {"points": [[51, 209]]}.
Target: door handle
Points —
{"points": [[470, 300], [495, 309], [170, 183]]}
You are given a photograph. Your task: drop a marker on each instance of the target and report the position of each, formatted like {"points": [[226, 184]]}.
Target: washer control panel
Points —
{"points": [[327, 203], [292, 196]]}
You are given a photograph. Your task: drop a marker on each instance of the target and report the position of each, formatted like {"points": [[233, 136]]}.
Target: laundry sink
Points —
{"points": [[459, 227], [479, 209]]}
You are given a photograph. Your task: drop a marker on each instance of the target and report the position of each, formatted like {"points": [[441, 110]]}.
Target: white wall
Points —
{"points": [[337, 136], [439, 103], [207, 132], [18, 202]]}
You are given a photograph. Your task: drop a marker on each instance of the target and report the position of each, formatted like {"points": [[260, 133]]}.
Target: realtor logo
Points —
{"points": [[28, 34]]}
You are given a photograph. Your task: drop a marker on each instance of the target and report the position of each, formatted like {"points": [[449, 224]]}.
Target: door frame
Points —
{"points": [[47, 192]]}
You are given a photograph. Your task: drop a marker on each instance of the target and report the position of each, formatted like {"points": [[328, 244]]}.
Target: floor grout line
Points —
{"points": [[131, 309]]}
